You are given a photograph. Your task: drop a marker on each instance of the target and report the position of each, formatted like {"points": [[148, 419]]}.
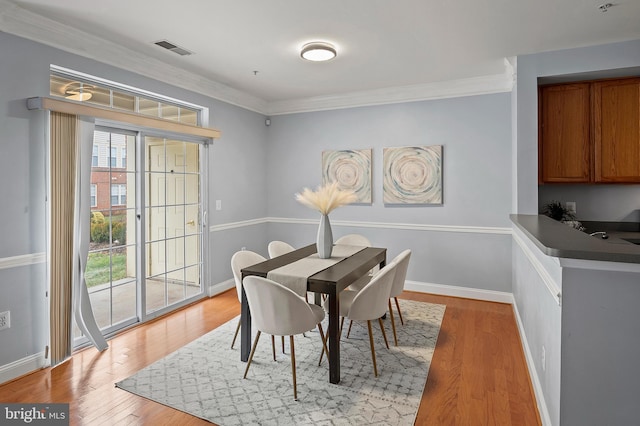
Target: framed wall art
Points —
{"points": [[351, 169], [412, 175]]}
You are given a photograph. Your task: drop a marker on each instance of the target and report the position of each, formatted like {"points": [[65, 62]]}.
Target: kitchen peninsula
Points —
{"points": [[577, 299]]}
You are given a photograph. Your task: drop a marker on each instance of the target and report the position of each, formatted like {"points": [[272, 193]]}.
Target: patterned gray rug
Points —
{"points": [[204, 378]]}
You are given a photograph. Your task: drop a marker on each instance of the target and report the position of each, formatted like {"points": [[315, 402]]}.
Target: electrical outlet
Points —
{"points": [[5, 320], [243, 248], [218, 204], [544, 358]]}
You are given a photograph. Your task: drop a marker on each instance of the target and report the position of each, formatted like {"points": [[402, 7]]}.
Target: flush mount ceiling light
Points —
{"points": [[318, 51]]}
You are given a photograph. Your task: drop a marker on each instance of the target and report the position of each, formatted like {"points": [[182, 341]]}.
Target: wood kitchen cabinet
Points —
{"points": [[565, 144], [590, 132], [616, 130]]}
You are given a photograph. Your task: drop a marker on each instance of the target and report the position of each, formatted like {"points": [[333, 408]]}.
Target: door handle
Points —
{"points": [[191, 222]]}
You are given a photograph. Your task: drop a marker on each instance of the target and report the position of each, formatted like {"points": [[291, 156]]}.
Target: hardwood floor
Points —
{"points": [[478, 374]]}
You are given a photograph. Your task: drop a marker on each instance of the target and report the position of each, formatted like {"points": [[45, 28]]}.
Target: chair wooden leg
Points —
{"points": [[383, 332], [341, 324], [393, 324], [235, 336], [293, 369], [253, 350], [282, 344], [324, 344], [273, 346], [349, 330], [399, 311], [373, 351]]}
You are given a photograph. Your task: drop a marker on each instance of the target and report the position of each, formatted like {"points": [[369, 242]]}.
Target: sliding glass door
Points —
{"points": [[173, 222], [146, 235]]}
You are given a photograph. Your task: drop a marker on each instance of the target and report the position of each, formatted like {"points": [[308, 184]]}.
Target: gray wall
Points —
{"points": [[608, 203], [593, 203], [541, 319], [600, 347], [236, 175], [476, 136]]}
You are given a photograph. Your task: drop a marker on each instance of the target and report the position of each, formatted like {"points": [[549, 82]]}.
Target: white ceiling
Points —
{"points": [[382, 44]]}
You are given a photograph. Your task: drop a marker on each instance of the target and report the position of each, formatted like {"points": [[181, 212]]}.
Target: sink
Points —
{"points": [[633, 240]]}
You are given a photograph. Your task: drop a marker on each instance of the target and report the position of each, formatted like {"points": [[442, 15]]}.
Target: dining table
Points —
{"points": [[329, 281]]}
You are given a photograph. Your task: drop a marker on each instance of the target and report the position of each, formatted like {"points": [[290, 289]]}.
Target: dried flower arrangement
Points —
{"points": [[326, 198]]}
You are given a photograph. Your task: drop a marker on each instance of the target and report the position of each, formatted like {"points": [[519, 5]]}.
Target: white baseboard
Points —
{"points": [[216, 289], [22, 366], [537, 387], [456, 291]]}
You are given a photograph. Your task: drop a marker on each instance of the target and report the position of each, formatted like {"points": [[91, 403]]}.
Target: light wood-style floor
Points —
{"points": [[478, 375]]}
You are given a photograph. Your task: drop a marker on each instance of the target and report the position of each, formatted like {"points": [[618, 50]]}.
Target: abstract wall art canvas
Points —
{"points": [[351, 169], [412, 175]]}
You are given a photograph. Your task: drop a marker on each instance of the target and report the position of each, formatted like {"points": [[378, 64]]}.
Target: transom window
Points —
{"points": [[82, 88]]}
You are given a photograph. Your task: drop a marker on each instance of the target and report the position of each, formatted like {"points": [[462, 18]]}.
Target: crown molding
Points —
{"points": [[21, 22], [496, 83]]}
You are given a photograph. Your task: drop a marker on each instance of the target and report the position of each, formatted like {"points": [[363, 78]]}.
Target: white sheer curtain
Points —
{"points": [[83, 313]]}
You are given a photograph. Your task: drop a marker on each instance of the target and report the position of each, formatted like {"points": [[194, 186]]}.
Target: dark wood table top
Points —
{"points": [[336, 277]]}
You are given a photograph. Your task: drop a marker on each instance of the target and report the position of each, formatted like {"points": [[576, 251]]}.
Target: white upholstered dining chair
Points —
{"points": [[278, 310], [278, 248], [402, 260], [354, 240], [358, 240], [396, 289], [369, 304], [240, 260]]}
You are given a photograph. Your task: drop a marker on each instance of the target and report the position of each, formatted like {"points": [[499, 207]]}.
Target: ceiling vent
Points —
{"points": [[172, 47]]}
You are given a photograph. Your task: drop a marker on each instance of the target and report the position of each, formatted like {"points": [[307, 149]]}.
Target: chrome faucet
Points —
{"points": [[604, 234]]}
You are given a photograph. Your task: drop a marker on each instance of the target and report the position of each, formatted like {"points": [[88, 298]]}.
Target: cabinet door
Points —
{"points": [[617, 130], [565, 146]]}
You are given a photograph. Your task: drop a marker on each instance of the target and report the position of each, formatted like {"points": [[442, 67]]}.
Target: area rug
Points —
{"points": [[204, 378]]}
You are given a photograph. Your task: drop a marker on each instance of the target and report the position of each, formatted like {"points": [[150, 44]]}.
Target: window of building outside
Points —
{"points": [[94, 195], [113, 159], [118, 194], [94, 156]]}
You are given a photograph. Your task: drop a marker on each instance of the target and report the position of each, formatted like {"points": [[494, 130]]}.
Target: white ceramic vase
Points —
{"points": [[324, 241]]}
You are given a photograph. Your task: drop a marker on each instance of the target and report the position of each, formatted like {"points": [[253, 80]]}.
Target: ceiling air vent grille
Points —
{"points": [[172, 47]]}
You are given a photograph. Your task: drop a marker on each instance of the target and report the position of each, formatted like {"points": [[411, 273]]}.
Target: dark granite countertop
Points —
{"points": [[559, 240]]}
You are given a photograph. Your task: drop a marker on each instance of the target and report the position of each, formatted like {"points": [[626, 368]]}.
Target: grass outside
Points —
{"points": [[99, 266]]}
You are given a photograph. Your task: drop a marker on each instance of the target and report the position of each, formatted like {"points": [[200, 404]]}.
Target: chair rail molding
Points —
{"points": [[22, 260], [552, 286], [358, 224]]}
